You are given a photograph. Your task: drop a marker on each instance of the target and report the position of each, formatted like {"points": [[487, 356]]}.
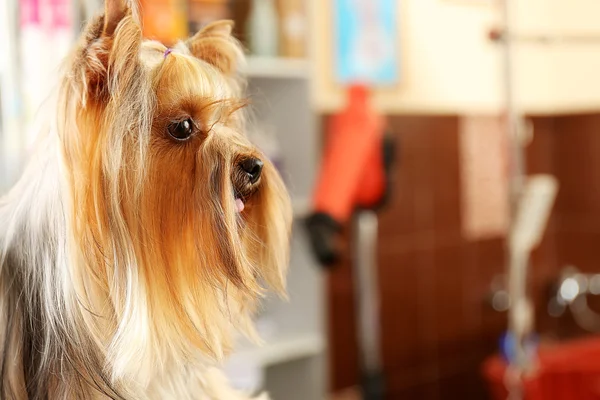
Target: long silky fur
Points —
{"points": [[124, 266]]}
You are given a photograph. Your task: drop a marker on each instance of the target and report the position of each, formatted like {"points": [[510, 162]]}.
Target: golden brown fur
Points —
{"points": [[129, 277]]}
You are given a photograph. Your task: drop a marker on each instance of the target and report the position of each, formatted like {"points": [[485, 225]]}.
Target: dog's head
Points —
{"points": [[177, 218]]}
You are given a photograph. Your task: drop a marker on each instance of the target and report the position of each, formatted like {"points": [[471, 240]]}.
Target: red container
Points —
{"points": [[565, 371]]}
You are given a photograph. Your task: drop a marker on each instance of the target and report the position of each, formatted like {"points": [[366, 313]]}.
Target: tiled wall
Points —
{"points": [[437, 323]]}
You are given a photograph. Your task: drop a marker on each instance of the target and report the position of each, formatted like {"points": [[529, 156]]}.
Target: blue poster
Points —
{"points": [[366, 35]]}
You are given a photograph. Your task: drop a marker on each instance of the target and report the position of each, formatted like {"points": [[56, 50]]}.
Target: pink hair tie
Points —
{"points": [[167, 52]]}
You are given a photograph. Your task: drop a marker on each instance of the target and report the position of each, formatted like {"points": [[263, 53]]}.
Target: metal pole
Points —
{"points": [[365, 278], [519, 318], [513, 117]]}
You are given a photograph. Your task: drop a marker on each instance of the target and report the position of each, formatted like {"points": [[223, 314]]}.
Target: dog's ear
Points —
{"points": [[216, 45], [109, 50], [114, 12]]}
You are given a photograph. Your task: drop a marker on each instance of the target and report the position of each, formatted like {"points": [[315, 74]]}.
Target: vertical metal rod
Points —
{"points": [[513, 116], [519, 306], [366, 281], [517, 260]]}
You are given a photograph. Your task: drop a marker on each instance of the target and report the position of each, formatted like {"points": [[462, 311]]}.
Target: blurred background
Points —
{"points": [[443, 160]]}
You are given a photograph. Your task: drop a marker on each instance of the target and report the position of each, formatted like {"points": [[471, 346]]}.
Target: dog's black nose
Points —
{"points": [[252, 167]]}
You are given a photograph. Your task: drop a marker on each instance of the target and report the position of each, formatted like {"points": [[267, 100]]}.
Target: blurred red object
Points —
{"points": [[353, 172], [565, 371]]}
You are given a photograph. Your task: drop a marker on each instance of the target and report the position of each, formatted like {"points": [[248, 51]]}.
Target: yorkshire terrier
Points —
{"points": [[143, 232]]}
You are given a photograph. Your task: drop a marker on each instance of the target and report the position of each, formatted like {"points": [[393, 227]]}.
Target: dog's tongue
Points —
{"points": [[239, 204]]}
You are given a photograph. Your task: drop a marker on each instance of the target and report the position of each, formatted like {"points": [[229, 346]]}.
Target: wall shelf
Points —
{"points": [[282, 349], [276, 68]]}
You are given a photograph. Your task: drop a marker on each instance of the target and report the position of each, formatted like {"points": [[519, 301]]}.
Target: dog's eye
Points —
{"points": [[181, 130]]}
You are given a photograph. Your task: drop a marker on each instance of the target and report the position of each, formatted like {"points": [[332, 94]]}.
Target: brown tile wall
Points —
{"points": [[437, 326]]}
